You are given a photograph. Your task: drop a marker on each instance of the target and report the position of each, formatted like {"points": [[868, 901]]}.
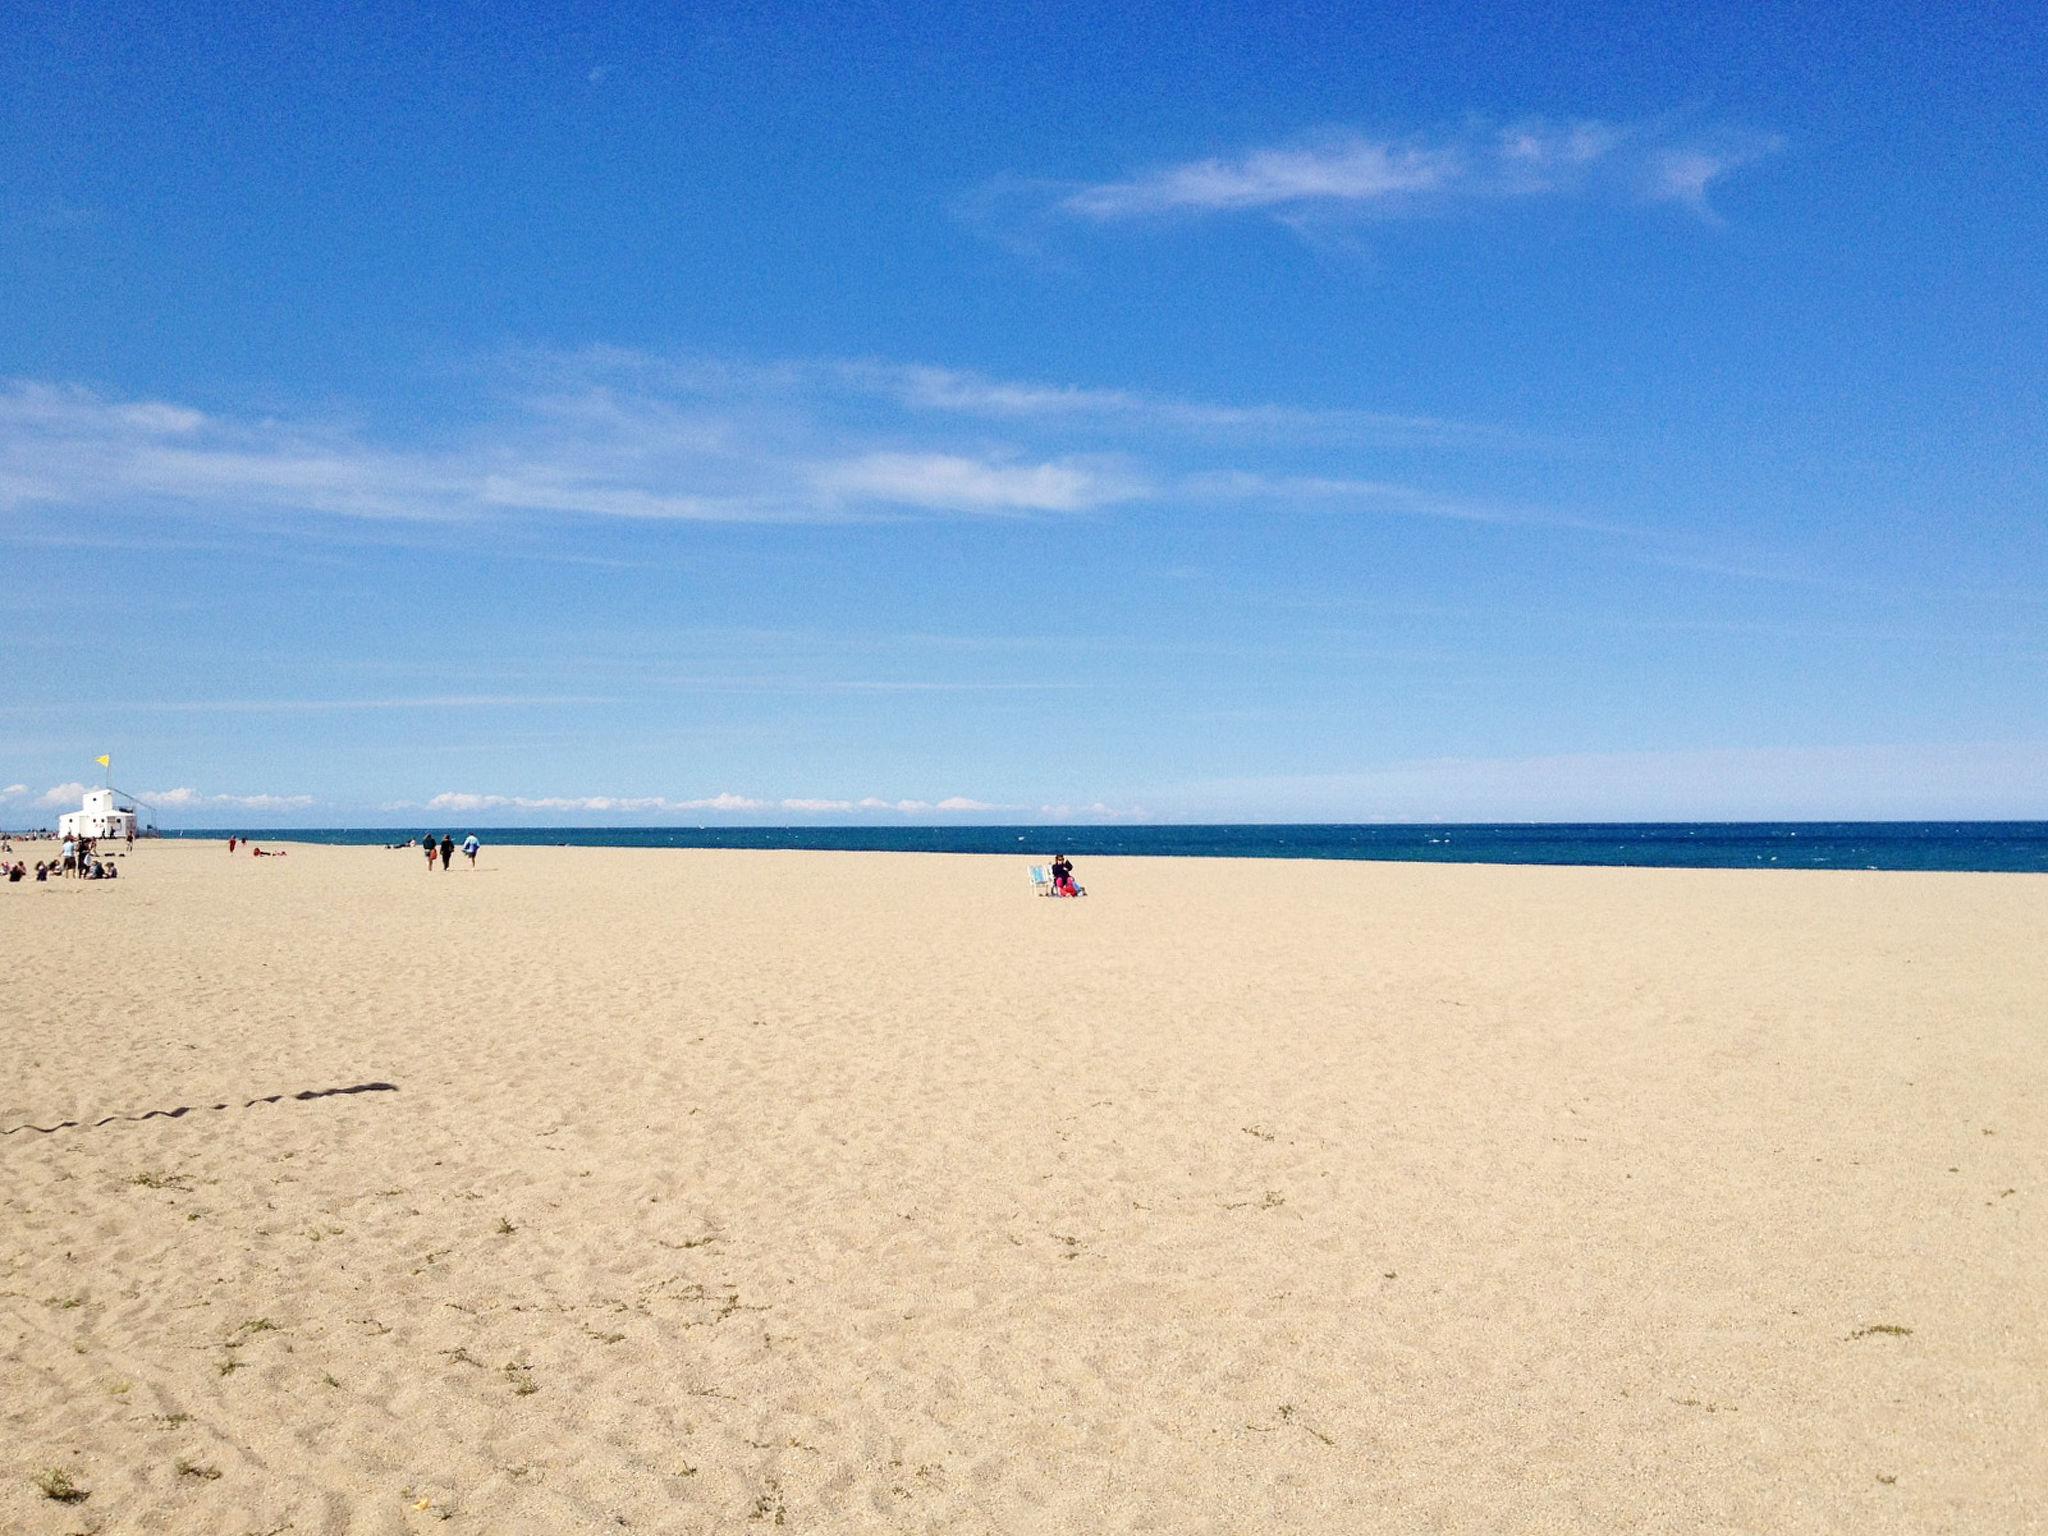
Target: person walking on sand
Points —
{"points": [[447, 850], [469, 848], [433, 851]]}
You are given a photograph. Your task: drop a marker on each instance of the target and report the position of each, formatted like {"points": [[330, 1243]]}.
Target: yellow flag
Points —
{"points": [[104, 762]]}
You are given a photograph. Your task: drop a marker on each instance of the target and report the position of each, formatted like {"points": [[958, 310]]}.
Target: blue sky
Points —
{"points": [[1023, 412]]}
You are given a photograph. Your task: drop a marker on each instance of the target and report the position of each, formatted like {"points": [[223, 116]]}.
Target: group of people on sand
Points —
{"points": [[239, 841], [444, 850], [80, 860]]}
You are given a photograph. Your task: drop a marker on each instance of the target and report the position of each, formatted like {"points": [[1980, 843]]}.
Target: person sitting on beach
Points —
{"points": [[1063, 877], [42, 870], [14, 873]]}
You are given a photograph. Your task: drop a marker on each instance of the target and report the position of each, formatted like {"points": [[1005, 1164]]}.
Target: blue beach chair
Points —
{"points": [[1041, 880]]}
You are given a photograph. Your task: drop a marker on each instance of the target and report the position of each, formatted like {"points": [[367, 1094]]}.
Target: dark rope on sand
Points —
{"points": [[186, 1109]]}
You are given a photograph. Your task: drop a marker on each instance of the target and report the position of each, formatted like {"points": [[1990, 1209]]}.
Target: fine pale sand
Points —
{"points": [[727, 1192]]}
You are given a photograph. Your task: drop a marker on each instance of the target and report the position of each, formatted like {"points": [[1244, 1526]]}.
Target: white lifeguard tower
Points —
{"points": [[98, 817]]}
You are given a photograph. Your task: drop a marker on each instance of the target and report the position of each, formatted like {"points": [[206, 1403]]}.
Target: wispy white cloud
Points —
{"points": [[924, 685], [615, 436], [604, 804], [13, 791], [67, 446], [64, 797], [923, 389], [189, 799], [583, 448], [735, 683], [1347, 170], [949, 481], [331, 706], [1101, 411], [1388, 498], [1095, 811], [1654, 161], [726, 803], [1686, 174]]}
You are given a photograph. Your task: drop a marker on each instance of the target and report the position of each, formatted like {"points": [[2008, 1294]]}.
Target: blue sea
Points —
{"points": [[2005, 846]]}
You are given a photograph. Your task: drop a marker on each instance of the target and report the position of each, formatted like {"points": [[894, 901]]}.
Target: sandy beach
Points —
{"points": [[728, 1192]]}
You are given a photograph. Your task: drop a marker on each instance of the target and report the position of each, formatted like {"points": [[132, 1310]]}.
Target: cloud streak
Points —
{"points": [[1350, 170], [1649, 162], [726, 803], [602, 804], [188, 799], [613, 436], [1383, 497], [330, 706], [599, 455], [948, 481], [964, 392]]}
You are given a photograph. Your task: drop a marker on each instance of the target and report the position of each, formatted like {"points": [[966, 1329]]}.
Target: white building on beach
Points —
{"points": [[99, 817]]}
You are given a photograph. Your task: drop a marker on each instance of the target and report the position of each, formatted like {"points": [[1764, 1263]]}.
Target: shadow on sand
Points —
{"points": [[186, 1109]]}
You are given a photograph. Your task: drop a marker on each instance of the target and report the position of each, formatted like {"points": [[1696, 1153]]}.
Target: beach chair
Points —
{"points": [[1041, 880]]}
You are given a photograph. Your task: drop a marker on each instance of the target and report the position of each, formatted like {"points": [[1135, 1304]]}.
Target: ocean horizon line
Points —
{"points": [[1984, 846]]}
